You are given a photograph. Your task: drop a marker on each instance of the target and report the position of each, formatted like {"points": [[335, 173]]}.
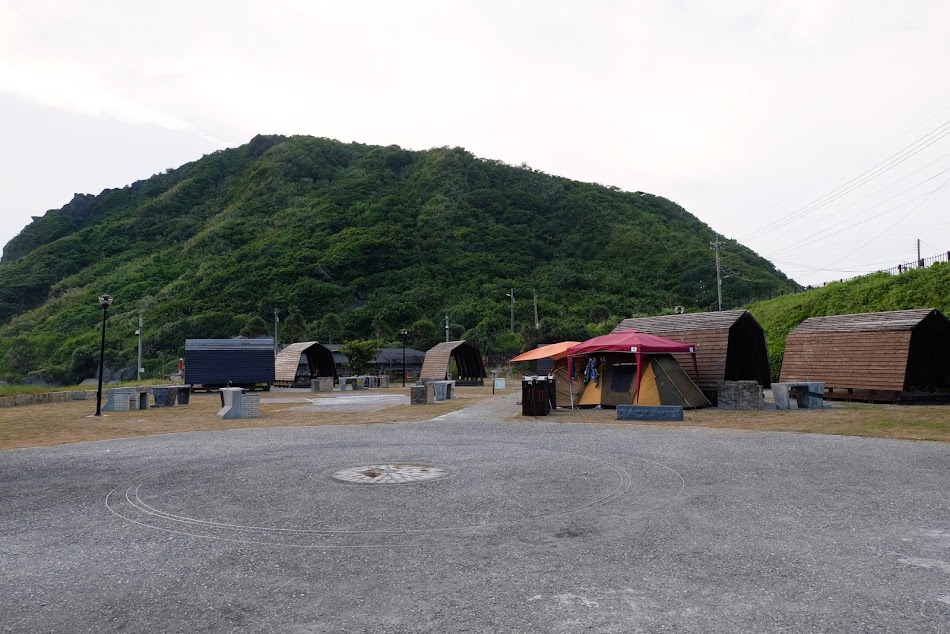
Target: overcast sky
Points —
{"points": [[815, 132]]}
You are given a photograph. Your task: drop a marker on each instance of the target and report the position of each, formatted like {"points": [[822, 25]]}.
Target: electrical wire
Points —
{"points": [[899, 220], [817, 236], [884, 166]]}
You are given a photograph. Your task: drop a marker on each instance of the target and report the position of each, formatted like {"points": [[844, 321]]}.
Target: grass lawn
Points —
{"points": [[58, 423]]}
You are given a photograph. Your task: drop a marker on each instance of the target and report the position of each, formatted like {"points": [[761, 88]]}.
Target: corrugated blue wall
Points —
{"points": [[217, 367]]}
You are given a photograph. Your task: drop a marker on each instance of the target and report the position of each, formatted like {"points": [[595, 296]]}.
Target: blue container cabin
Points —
{"points": [[215, 363]]}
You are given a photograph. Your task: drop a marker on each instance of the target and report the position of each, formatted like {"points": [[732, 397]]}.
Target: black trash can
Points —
{"points": [[534, 396], [184, 391], [164, 395]]}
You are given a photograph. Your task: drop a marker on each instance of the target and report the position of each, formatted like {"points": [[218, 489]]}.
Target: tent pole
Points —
{"points": [[570, 378], [636, 388]]}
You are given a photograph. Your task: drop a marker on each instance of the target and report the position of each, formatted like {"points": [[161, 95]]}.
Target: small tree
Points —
{"points": [[599, 314], [360, 353], [424, 333], [255, 327], [331, 326], [293, 327]]}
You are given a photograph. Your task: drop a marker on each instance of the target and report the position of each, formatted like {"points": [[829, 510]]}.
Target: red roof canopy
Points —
{"points": [[629, 341]]}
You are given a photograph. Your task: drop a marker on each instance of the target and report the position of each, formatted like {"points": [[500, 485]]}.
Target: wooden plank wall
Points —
{"points": [[711, 348], [437, 360], [858, 360], [287, 362]]}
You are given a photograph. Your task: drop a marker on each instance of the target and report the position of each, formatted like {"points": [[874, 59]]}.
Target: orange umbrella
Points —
{"points": [[553, 351]]}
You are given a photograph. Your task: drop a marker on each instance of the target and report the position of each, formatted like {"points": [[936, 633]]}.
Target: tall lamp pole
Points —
{"points": [[138, 369], [405, 334], [104, 301], [512, 296]]}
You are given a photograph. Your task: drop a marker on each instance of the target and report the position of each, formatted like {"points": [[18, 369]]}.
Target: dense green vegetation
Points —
{"points": [[918, 288], [350, 242]]}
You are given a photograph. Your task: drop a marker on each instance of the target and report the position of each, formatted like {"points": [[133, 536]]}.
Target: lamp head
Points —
{"points": [[105, 301], [403, 332]]}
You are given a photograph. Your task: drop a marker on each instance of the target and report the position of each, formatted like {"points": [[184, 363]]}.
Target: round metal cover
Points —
{"points": [[400, 473]]}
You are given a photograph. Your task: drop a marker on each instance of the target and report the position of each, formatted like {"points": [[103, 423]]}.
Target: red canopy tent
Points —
{"points": [[630, 342]]}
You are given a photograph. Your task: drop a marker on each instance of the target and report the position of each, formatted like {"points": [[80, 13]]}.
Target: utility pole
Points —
{"points": [[537, 324], [717, 247], [139, 333], [276, 321], [512, 296], [920, 261], [446, 328]]}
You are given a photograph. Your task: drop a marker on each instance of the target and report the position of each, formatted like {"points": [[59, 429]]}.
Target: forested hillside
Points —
{"points": [[349, 241], [917, 288]]}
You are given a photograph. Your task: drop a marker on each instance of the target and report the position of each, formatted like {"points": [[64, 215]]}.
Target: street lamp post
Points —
{"points": [[512, 296], [405, 334], [138, 368], [104, 301]]}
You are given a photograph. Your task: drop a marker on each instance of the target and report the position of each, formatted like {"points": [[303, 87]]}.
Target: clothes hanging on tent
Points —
{"points": [[590, 372]]}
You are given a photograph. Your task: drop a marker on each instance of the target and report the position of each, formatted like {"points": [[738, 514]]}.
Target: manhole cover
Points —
{"points": [[390, 473]]}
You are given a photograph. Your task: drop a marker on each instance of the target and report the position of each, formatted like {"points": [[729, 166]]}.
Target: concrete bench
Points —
{"points": [[422, 394], [123, 399], [443, 390], [370, 381], [321, 384], [808, 394], [351, 383], [650, 412]]}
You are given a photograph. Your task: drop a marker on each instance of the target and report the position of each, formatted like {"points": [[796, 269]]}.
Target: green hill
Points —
{"points": [[349, 241], [918, 288]]}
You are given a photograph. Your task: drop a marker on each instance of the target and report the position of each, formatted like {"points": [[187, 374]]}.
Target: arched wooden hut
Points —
{"points": [[298, 363], [468, 366], [730, 346], [900, 356]]}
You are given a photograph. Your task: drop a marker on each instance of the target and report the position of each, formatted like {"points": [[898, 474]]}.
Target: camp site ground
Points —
{"points": [[553, 524]]}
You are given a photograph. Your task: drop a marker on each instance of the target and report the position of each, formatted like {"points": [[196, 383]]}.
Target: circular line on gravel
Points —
{"points": [[133, 497]]}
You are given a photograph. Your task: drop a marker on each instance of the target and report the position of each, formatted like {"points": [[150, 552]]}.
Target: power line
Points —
{"points": [[910, 211], [886, 187], [886, 165], [817, 236]]}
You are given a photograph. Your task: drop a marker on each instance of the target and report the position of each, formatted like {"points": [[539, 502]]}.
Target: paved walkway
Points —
{"points": [[471, 523]]}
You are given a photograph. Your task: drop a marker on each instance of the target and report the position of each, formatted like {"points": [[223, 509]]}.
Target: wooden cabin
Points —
{"points": [[730, 346], [900, 356], [457, 360], [300, 362]]}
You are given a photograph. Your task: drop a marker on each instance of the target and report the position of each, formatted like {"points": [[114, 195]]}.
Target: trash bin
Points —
{"points": [[164, 395], [184, 392], [535, 400]]}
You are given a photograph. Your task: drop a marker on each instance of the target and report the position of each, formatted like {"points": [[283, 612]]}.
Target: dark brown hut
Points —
{"points": [[900, 356], [296, 364], [469, 369], [730, 345]]}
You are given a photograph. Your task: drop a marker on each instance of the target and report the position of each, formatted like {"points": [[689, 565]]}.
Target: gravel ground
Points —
{"points": [[529, 526]]}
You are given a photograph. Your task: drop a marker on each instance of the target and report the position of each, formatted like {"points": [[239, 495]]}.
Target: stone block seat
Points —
{"points": [[650, 412]]}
